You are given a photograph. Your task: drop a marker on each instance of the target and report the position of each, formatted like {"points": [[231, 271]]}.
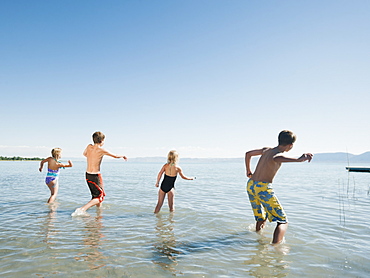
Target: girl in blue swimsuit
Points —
{"points": [[170, 171], [53, 172]]}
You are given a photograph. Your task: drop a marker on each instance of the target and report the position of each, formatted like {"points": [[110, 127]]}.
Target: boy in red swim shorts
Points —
{"points": [[94, 154]]}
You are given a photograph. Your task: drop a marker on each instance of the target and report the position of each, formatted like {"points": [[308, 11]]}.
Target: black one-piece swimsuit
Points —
{"points": [[168, 183]]}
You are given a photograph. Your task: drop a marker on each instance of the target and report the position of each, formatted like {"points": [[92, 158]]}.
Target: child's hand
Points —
{"points": [[157, 185], [249, 174], [40, 169], [124, 157], [306, 156], [70, 163]]}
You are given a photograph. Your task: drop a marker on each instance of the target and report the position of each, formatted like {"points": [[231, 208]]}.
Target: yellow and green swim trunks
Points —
{"points": [[264, 202]]}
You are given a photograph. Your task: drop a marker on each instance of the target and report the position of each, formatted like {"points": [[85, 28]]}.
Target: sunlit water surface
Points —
{"points": [[209, 235]]}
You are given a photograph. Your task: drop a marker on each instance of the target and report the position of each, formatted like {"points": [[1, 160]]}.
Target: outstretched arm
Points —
{"points": [[179, 170], [60, 165], [303, 157], [114, 155], [248, 156], [159, 176]]}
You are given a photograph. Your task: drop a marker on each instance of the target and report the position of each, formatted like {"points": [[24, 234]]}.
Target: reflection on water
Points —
{"points": [[207, 236], [50, 231], [347, 197], [92, 241], [91, 238], [268, 260], [165, 246]]}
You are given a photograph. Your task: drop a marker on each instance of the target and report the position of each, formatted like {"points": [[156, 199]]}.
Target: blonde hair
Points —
{"points": [[56, 153], [172, 157]]}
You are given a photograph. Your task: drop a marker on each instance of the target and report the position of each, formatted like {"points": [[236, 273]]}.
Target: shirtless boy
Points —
{"points": [[264, 202], [94, 154]]}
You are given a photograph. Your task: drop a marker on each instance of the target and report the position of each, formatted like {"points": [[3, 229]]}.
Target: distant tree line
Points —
{"points": [[20, 158]]}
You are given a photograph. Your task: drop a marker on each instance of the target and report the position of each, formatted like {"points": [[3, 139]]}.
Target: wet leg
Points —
{"points": [[279, 232], [91, 203], [260, 225], [171, 200], [53, 187], [161, 195]]}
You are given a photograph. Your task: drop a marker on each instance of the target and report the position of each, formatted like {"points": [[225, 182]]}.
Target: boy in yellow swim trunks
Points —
{"points": [[265, 204]]}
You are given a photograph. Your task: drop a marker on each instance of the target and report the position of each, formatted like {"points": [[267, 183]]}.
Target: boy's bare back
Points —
{"points": [[267, 167], [272, 158], [94, 154]]}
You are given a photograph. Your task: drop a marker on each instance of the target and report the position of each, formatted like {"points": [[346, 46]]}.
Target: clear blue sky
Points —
{"points": [[209, 78]]}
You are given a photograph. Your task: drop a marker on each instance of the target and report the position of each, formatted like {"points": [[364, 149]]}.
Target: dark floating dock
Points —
{"points": [[358, 169]]}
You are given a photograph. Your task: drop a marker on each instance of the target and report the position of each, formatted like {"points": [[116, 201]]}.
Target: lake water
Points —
{"points": [[209, 235]]}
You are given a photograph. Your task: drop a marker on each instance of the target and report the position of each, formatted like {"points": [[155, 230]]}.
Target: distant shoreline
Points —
{"points": [[18, 158]]}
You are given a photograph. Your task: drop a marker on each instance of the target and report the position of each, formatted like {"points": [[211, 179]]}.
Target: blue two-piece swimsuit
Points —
{"points": [[51, 176]]}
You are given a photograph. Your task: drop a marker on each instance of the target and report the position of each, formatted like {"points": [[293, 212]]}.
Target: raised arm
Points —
{"points": [[248, 156], [303, 157], [179, 170], [60, 165], [160, 175]]}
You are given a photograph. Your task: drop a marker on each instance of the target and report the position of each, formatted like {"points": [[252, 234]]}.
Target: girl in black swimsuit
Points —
{"points": [[170, 171]]}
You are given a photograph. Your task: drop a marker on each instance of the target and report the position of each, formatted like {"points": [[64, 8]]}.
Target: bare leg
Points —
{"points": [[260, 225], [161, 196], [53, 186], [279, 232], [93, 202], [171, 200]]}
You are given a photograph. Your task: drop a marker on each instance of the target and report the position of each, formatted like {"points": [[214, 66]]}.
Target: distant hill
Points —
{"points": [[342, 157], [186, 160], [365, 157]]}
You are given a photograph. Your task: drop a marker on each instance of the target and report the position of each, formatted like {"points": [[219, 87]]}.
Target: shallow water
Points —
{"points": [[209, 235]]}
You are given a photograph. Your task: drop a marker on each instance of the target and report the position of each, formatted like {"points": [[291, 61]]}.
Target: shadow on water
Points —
{"points": [[262, 255], [165, 249], [216, 242], [265, 260]]}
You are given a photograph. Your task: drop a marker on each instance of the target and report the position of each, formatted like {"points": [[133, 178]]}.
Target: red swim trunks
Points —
{"points": [[95, 183]]}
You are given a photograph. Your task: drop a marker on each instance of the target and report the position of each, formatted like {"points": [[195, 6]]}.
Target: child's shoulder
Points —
{"points": [[95, 148], [51, 161], [166, 165], [266, 150]]}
